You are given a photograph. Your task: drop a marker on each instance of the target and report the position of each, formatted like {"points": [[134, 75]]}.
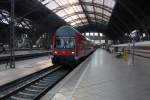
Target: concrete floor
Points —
{"points": [[24, 52], [23, 68], [104, 77]]}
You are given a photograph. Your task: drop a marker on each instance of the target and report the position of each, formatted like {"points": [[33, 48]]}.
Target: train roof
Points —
{"points": [[66, 31]]}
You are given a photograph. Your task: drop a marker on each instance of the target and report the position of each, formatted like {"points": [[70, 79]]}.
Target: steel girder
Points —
{"points": [[106, 8], [86, 14], [85, 11], [89, 12], [6, 16], [99, 20]]}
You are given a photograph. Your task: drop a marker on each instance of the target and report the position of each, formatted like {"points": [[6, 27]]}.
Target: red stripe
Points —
{"points": [[143, 52]]}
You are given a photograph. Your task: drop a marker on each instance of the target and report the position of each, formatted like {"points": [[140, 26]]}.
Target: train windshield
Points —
{"points": [[65, 42]]}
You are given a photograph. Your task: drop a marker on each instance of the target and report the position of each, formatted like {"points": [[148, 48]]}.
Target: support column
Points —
{"points": [[12, 35]]}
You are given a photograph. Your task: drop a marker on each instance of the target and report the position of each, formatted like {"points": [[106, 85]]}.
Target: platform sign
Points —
{"points": [[125, 54]]}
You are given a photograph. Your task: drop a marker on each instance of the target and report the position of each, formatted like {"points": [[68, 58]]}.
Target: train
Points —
{"points": [[141, 49], [69, 45]]}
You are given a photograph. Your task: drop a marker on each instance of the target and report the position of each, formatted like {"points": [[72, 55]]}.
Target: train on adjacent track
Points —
{"points": [[141, 49], [69, 45]]}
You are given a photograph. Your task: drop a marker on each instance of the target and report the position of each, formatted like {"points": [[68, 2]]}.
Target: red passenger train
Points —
{"points": [[69, 45]]}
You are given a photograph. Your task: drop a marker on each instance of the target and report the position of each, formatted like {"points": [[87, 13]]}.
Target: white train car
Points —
{"points": [[142, 49]]}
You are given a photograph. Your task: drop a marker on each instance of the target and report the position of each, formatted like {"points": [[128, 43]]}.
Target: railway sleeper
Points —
{"points": [[26, 93], [40, 85], [51, 77], [21, 96], [35, 90], [31, 91], [17, 98], [35, 87], [44, 81], [50, 80]]}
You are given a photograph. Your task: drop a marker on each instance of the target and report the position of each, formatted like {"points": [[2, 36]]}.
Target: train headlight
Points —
{"points": [[73, 52], [55, 52]]}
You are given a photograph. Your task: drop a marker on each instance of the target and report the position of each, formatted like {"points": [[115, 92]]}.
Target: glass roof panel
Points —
{"points": [[61, 13], [105, 19], [77, 8], [80, 24], [98, 9], [82, 15], [107, 13], [68, 19], [52, 5], [73, 23], [98, 1], [84, 20], [78, 21], [109, 3], [92, 15], [85, 12], [99, 17], [61, 2], [74, 17], [45, 1], [86, 0], [69, 10], [89, 8], [72, 1]]}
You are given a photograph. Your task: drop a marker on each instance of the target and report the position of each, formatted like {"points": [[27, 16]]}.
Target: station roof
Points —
{"points": [[114, 18], [82, 12], [127, 16]]}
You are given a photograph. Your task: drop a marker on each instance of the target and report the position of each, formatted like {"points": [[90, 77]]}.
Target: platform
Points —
{"points": [[24, 52], [105, 77], [23, 68]]}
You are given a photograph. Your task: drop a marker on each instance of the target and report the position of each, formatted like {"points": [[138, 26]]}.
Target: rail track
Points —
{"points": [[34, 86]]}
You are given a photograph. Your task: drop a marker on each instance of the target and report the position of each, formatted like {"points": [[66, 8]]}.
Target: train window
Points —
{"points": [[64, 42]]}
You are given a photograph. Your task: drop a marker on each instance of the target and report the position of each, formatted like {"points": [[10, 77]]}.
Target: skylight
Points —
{"points": [[79, 14]]}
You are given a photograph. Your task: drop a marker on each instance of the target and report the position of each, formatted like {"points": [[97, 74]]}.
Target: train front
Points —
{"points": [[64, 46]]}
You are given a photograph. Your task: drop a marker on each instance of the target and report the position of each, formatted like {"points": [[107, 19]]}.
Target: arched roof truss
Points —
{"points": [[82, 12]]}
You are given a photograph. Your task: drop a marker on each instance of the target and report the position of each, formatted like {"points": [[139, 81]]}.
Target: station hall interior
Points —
{"points": [[74, 50]]}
